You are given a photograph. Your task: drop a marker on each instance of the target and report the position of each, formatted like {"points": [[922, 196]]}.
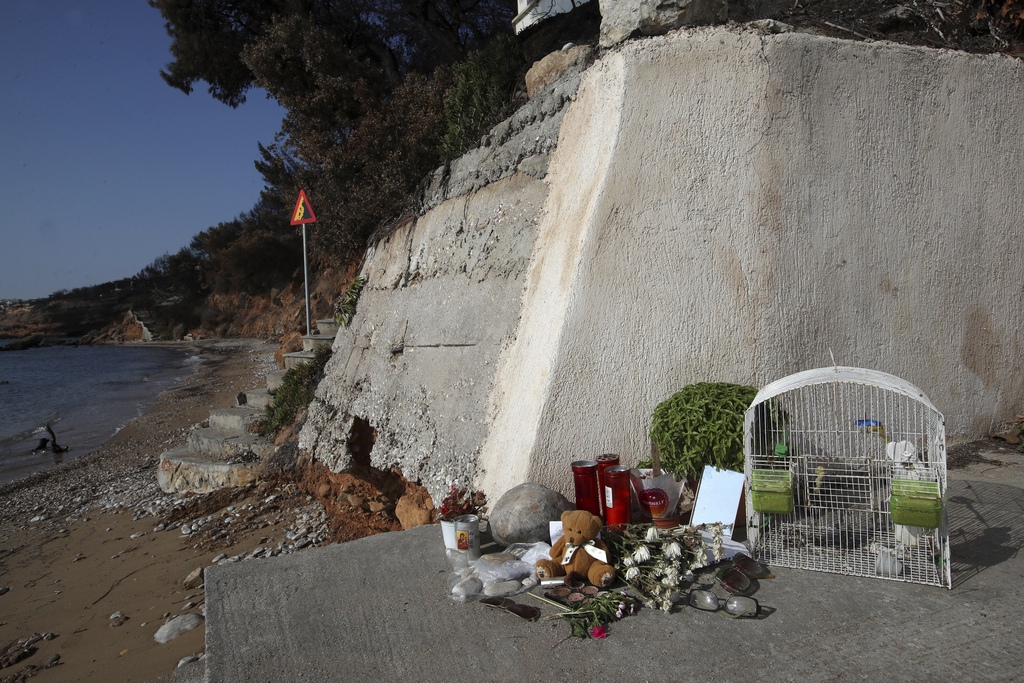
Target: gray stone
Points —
{"points": [[4, 589], [624, 18], [467, 587], [194, 578], [502, 588], [177, 626], [523, 513]]}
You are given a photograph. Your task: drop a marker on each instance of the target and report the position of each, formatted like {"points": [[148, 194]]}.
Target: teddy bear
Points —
{"points": [[579, 554]]}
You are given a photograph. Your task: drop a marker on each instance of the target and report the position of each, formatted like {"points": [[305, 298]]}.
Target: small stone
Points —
{"points": [[159, 527], [413, 510], [502, 588], [177, 626], [4, 589], [194, 578], [187, 660], [117, 615], [467, 587], [186, 529], [52, 660], [219, 558]]}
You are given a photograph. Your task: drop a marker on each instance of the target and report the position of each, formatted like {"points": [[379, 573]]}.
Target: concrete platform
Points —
{"points": [[182, 471], [297, 358], [377, 609], [258, 398], [311, 342], [275, 379], [226, 446], [235, 419]]}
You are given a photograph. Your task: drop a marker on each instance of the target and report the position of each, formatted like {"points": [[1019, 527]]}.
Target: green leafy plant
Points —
{"points": [[484, 85], [345, 311], [702, 425], [294, 394]]}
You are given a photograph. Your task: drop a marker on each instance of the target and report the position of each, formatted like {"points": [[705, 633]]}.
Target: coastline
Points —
{"points": [[81, 542]]}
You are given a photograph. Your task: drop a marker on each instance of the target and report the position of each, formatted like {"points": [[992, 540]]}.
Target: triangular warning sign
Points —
{"points": [[303, 212]]}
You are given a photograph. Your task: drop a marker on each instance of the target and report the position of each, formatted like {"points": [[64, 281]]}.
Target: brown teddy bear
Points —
{"points": [[579, 554]]}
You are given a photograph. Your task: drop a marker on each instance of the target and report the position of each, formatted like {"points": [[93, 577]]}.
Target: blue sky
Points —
{"points": [[103, 166]]}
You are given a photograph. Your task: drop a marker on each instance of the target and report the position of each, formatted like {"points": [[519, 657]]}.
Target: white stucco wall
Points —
{"points": [[721, 205], [728, 206]]}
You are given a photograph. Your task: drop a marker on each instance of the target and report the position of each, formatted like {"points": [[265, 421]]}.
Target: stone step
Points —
{"points": [[182, 471], [327, 327], [311, 342], [297, 359], [275, 379], [256, 398], [226, 446], [237, 420]]}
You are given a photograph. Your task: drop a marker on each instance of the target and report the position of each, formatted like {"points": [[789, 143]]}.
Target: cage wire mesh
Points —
{"points": [[845, 472]]}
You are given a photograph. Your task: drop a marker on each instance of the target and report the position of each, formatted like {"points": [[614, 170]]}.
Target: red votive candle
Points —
{"points": [[604, 462], [618, 499], [584, 478]]}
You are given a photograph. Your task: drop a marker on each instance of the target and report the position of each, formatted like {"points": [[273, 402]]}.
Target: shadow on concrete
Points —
{"points": [[986, 526]]}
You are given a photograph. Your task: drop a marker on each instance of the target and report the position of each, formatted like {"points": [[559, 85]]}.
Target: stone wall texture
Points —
{"points": [[721, 205]]}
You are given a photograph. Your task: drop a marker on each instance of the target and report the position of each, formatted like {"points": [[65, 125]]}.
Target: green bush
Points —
{"points": [[294, 394], [702, 425], [484, 87]]}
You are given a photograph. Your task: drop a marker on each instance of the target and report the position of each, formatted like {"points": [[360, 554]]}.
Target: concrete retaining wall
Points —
{"points": [[721, 206]]}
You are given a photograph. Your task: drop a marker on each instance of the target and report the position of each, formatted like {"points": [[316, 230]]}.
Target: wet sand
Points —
{"points": [[96, 537]]}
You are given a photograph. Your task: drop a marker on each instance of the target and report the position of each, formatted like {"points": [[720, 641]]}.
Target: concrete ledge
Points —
{"points": [[258, 398], [312, 342], [227, 446], [297, 359], [180, 473], [327, 327], [377, 609], [275, 379], [236, 419]]}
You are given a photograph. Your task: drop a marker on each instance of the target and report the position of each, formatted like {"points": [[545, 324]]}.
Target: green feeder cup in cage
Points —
{"points": [[916, 503], [771, 491]]}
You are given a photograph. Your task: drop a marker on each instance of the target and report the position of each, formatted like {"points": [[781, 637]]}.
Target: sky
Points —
{"points": [[103, 166]]}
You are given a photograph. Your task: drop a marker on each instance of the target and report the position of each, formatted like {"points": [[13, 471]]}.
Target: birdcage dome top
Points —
{"points": [[843, 374]]}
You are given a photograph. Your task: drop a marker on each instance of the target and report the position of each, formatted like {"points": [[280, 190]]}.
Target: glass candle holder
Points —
{"points": [[618, 499], [584, 478], [604, 462]]}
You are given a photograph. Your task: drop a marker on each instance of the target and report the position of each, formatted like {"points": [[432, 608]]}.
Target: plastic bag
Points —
{"points": [[495, 574]]}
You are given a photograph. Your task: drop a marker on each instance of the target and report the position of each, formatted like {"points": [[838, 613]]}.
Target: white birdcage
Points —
{"points": [[845, 472]]}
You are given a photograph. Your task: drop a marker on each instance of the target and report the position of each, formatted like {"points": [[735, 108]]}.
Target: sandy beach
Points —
{"points": [[94, 557]]}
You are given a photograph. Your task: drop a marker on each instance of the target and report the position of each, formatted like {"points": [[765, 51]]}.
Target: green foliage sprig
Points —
{"points": [[702, 425], [347, 309], [590, 619], [294, 394]]}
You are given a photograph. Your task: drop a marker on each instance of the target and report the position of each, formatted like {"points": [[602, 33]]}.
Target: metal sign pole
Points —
{"points": [[305, 275], [302, 214]]}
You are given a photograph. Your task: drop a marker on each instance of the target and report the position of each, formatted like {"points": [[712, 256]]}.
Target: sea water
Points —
{"points": [[85, 393]]}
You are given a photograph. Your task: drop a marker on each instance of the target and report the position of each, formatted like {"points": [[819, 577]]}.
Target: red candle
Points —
{"points": [[604, 462], [584, 477], [618, 501]]}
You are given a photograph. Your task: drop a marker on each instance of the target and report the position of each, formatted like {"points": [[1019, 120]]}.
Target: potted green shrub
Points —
{"points": [[702, 424]]}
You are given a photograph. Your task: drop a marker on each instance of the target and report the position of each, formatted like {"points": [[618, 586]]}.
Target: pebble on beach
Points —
{"points": [[177, 626]]}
